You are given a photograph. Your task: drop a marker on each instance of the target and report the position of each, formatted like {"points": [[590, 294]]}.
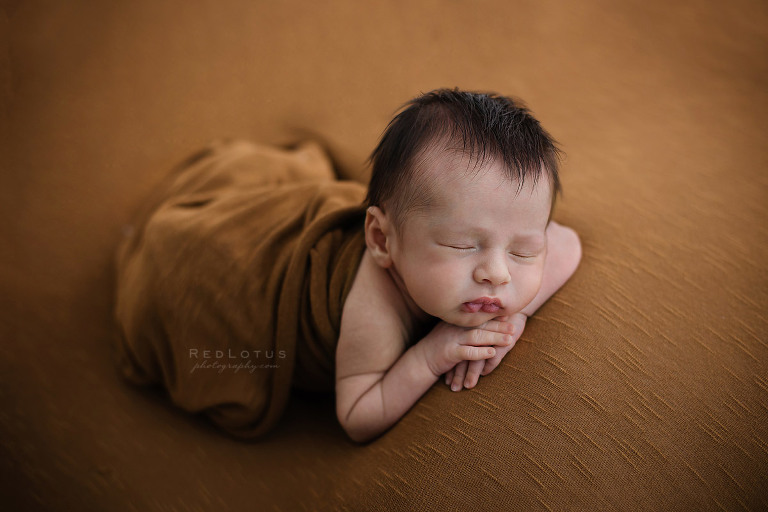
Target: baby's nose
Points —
{"points": [[493, 270]]}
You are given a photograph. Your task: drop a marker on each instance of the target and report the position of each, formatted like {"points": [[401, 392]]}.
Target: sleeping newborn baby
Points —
{"points": [[459, 240], [255, 271]]}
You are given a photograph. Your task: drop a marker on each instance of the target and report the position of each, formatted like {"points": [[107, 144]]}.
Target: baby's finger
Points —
{"points": [[458, 378], [473, 373], [499, 326], [490, 364], [449, 376], [486, 337], [470, 353]]}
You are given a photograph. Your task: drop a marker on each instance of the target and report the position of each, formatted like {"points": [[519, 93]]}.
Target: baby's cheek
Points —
{"points": [[444, 282], [536, 279], [437, 271], [530, 282], [429, 277], [440, 283]]}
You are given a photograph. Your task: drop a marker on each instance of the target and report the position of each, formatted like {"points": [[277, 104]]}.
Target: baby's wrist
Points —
{"points": [[421, 351]]}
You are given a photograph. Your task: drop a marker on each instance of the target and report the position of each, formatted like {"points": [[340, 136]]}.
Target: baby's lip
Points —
{"points": [[485, 304]]}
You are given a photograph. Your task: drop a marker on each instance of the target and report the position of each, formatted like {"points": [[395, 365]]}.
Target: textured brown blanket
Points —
{"points": [[231, 283], [641, 386]]}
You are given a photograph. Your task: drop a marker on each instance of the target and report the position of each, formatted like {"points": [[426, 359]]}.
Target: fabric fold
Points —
{"points": [[231, 285]]}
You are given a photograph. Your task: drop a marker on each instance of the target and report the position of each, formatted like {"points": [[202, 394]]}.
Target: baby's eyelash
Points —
{"points": [[523, 256], [459, 247]]}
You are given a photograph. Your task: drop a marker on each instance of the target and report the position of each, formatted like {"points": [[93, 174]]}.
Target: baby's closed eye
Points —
{"points": [[526, 250], [523, 255]]}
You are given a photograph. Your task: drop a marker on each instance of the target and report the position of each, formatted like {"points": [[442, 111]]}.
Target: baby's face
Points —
{"points": [[478, 252]]}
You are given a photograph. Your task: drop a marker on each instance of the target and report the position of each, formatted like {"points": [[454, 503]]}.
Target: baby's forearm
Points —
{"points": [[391, 397], [563, 256]]}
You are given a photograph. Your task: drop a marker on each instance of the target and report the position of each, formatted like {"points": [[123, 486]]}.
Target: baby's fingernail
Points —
{"points": [[455, 387]]}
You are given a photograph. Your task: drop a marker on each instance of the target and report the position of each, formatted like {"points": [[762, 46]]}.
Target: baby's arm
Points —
{"points": [[563, 256], [377, 379]]}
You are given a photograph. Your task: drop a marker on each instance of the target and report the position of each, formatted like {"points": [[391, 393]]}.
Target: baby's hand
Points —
{"points": [[466, 373], [446, 345]]}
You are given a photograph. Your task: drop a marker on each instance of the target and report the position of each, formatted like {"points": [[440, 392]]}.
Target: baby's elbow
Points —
{"points": [[574, 244], [359, 436], [359, 427], [351, 427], [569, 247], [356, 431]]}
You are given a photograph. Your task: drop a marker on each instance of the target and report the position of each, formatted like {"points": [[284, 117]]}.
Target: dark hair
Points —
{"points": [[481, 125]]}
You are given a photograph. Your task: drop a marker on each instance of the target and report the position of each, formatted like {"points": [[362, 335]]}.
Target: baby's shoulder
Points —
{"points": [[374, 298], [374, 332]]}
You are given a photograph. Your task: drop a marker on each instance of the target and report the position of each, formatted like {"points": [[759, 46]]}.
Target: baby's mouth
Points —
{"points": [[484, 304]]}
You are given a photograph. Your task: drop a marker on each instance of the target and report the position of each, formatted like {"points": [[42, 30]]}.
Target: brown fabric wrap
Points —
{"points": [[245, 249]]}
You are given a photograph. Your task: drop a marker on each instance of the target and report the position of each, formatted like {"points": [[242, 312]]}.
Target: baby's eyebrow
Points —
{"points": [[537, 239], [534, 237]]}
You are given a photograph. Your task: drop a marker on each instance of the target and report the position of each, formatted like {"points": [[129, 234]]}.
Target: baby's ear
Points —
{"points": [[378, 229]]}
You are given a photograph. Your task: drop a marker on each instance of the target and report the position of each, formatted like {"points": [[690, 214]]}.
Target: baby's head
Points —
{"points": [[462, 189], [480, 127]]}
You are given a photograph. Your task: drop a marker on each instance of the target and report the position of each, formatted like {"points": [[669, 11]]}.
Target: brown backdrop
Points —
{"points": [[642, 384]]}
